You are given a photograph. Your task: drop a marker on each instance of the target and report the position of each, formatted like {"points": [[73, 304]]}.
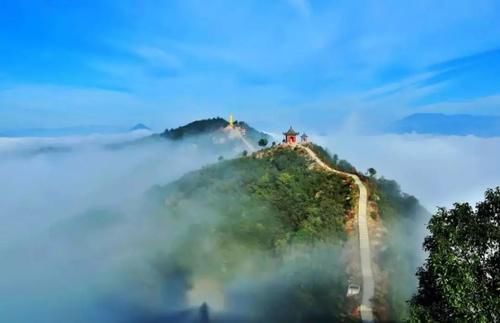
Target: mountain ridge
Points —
{"points": [[212, 133], [261, 212], [140, 126], [278, 199], [209, 126]]}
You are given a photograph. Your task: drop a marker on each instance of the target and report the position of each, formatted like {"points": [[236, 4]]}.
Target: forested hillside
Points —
{"points": [[211, 136], [195, 128], [209, 126], [273, 222], [402, 215], [269, 232]]}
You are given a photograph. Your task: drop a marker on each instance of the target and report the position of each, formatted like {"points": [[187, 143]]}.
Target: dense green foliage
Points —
{"points": [[332, 160], [207, 126], [308, 204], [195, 128], [263, 142], [402, 215], [268, 217], [372, 172], [460, 280], [394, 204]]}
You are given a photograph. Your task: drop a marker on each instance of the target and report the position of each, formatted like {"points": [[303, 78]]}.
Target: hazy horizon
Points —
{"points": [[438, 170]]}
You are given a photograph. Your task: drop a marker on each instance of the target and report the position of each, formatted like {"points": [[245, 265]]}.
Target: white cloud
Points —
{"points": [[439, 170], [41, 191], [84, 177], [55, 265]]}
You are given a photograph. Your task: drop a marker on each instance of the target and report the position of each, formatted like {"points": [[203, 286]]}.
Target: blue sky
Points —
{"points": [[319, 64]]}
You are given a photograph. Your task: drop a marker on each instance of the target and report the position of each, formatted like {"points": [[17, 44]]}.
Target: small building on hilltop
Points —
{"points": [[304, 138], [290, 136]]}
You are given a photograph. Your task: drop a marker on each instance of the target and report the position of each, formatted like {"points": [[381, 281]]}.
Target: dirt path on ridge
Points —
{"points": [[368, 285]]}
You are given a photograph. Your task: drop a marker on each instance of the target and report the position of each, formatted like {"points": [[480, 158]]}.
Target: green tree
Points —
{"points": [[244, 153], [372, 172], [460, 280], [335, 159], [345, 166], [263, 142]]}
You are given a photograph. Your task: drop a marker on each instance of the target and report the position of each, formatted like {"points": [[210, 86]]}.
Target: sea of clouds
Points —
{"points": [[42, 189], [60, 264], [39, 188], [438, 170]]}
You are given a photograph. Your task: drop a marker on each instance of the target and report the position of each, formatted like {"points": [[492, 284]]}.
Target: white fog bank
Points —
{"points": [[74, 228], [43, 188], [438, 170], [54, 268]]}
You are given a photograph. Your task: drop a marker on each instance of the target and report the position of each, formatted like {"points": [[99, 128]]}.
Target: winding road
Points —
{"points": [[368, 287]]}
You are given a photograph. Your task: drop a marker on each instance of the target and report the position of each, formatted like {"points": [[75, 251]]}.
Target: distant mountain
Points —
{"points": [[140, 126], [442, 124]]}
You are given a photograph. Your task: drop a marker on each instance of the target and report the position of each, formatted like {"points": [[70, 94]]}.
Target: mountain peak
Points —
{"points": [[198, 127], [210, 126], [140, 126]]}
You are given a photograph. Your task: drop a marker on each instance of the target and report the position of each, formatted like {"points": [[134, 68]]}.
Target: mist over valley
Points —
{"points": [[112, 229]]}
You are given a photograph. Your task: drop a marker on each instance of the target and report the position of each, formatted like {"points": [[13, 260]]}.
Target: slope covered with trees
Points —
{"points": [[207, 135], [402, 215], [270, 221], [209, 126], [195, 128]]}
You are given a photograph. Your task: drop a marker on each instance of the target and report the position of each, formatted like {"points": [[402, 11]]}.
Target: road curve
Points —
{"points": [[368, 287]]}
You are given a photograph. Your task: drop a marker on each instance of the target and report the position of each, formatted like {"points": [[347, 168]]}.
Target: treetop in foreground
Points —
{"points": [[460, 280]]}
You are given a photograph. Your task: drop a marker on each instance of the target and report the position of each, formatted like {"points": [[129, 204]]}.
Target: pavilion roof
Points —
{"points": [[291, 132]]}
